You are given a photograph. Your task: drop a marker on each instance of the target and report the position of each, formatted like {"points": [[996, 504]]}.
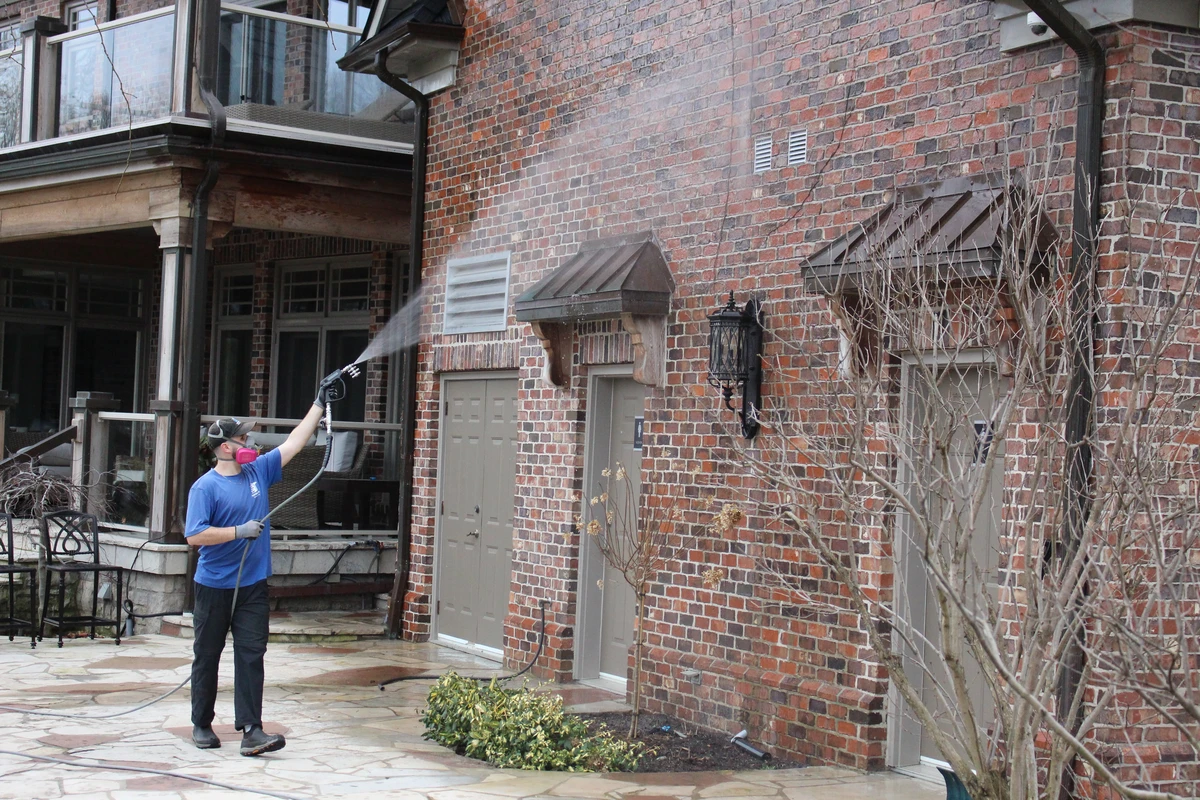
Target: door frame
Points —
{"points": [[589, 602], [435, 580], [897, 737]]}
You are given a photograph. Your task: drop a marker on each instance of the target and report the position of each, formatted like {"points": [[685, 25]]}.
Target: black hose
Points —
{"points": [[526, 668]]}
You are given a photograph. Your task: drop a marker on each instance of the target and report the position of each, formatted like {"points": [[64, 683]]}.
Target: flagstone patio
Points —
{"points": [[346, 738]]}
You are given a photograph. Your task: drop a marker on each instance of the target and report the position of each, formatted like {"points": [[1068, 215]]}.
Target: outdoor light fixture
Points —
{"points": [[734, 358]]}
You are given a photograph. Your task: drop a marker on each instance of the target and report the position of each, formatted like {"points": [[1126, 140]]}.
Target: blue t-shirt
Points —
{"points": [[225, 501]]}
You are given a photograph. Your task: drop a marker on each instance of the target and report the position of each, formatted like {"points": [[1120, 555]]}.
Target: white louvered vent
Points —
{"points": [[762, 153], [476, 294], [797, 148]]}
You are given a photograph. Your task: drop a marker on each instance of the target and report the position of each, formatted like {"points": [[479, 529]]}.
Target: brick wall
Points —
{"points": [[580, 119]]}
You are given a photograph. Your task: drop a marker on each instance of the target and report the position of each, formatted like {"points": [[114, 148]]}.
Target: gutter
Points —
{"points": [[192, 335], [1085, 224], [395, 613]]}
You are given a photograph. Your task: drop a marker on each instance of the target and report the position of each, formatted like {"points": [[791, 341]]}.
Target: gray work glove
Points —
{"points": [[248, 530]]}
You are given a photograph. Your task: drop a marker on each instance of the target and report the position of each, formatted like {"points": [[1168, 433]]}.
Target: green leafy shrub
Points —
{"points": [[520, 729]]}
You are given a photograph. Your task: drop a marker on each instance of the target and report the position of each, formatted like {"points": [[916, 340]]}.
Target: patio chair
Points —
{"points": [[301, 513], [10, 569], [71, 541]]}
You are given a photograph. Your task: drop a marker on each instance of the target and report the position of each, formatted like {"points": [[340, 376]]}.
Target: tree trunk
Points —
{"points": [[637, 665]]}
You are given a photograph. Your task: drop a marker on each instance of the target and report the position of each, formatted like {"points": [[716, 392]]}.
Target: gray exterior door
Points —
{"points": [[478, 476], [609, 609], [969, 395]]}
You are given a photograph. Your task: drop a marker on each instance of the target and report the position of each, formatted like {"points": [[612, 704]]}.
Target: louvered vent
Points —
{"points": [[476, 294], [762, 153], [797, 148]]}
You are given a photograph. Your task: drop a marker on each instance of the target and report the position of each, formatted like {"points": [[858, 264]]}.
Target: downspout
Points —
{"points": [[395, 614], [1085, 225], [193, 334]]}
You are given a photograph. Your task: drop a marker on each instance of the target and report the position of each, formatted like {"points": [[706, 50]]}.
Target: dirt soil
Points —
{"points": [[697, 750]]}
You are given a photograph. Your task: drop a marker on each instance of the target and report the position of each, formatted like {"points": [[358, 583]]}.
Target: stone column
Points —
{"points": [[39, 84], [174, 236]]}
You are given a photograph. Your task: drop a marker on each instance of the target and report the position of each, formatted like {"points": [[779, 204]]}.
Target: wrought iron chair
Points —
{"points": [[71, 541], [10, 569]]}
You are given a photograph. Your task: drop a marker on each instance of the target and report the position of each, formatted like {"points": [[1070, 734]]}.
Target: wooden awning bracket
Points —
{"points": [[557, 340]]}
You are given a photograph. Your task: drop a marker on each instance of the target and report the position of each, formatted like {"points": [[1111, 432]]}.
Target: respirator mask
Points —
{"points": [[223, 431]]}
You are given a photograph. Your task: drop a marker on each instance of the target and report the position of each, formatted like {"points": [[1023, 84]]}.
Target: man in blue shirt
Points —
{"points": [[227, 507]]}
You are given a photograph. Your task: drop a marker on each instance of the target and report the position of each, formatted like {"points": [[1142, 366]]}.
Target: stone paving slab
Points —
{"points": [[346, 738]]}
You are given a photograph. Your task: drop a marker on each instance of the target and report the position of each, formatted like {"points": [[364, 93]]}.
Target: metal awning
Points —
{"points": [[956, 228], [607, 278]]}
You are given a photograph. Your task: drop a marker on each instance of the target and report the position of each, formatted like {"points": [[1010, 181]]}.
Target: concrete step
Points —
{"points": [[302, 626]]}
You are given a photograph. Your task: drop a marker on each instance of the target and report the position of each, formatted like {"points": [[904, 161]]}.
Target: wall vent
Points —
{"points": [[762, 153], [797, 148], [477, 294]]}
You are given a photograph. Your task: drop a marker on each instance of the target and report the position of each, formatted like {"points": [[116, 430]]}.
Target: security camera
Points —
{"points": [[1036, 26]]}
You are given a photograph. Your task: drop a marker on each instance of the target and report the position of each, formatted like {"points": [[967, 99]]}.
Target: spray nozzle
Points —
{"points": [[333, 385]]}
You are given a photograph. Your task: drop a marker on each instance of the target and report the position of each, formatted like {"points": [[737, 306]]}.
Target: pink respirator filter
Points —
{"points": [[245, 455]]}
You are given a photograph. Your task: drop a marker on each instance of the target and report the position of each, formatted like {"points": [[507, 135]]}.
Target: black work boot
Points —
{"points": [[204, 738], [256, 741]]}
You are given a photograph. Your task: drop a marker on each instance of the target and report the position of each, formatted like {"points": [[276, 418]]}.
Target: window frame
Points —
{"points": [[71, 320], [222, 324], [322, 322], [71, 14]]}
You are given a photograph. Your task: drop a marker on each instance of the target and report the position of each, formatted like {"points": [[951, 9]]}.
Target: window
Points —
{"points": [[10, 36], [252, 59], [233, 332], [322, 325], [477, 294], [11, 77], [80, 16], [67, 329], [347, 93]]}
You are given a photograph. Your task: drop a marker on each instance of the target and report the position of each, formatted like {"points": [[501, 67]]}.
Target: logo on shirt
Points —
{"points": [[254, 488]]}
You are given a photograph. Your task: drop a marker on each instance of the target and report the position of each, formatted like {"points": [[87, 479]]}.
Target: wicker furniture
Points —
{"points": [[301, 513]]}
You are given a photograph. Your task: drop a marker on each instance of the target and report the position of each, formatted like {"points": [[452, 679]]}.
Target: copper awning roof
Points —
{"points": [[605, 279], [955, 227]]}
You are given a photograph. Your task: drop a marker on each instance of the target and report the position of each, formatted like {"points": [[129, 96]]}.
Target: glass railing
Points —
{"points": [[12, 76], [115, 75], [281, 71], [277, 74], [127, 472]]}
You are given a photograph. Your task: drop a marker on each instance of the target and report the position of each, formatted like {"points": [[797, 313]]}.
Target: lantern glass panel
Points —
{"points": [[725, 351]]}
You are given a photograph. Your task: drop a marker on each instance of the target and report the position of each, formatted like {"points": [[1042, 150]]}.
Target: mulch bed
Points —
{"points": [[697, 750]]}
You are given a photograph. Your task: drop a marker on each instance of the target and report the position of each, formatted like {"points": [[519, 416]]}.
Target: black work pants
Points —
{"points": [[213, 617]]}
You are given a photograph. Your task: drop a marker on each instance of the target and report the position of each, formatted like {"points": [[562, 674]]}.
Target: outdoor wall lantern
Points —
{"points": [[735, 337]]}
